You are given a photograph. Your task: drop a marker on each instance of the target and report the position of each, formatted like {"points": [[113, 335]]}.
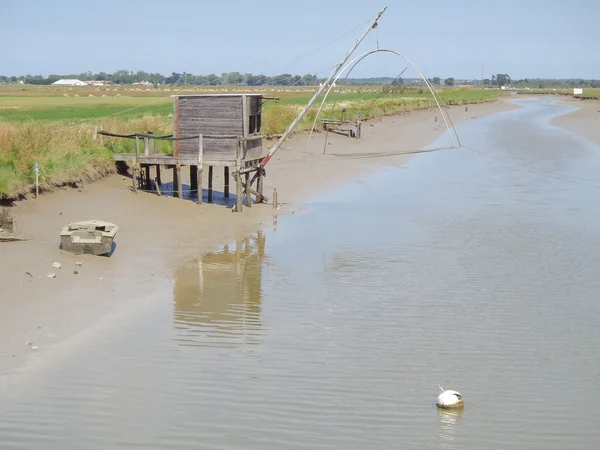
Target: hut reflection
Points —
{"points": [[217, 297]]}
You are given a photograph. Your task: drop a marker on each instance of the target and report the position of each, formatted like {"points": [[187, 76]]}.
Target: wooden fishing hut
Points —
{"points": [[221, 131]]}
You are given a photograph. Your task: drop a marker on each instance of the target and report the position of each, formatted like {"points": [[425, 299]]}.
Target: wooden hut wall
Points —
{"points": [[212, 116], [217, 116]]}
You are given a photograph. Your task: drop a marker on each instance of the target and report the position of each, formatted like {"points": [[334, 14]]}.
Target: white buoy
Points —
{"points": [[449, 399]]}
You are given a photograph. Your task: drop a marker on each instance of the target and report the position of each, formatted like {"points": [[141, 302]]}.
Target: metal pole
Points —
{"points": [[319, 91]]}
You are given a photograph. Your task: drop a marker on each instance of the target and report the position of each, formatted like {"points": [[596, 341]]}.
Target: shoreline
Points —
{"points": [[584, 121], [158, 234]]}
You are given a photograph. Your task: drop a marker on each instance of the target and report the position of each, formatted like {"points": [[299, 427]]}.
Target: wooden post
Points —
{"points": [[137, 158], [146, 147], [248, 195], [158, 178], [275, 198], [210, 184], [194, 178], [200, 168], [150, 144], [238, 179], [36, 169], [134, 176], [259, 186], [177, 180], [95, 136], [226, 177], [147, 176]]}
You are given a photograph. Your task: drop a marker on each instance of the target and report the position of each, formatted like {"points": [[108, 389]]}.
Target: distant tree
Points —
{"points": [[234, 78], [309, 80], [172, 79], [437, 81], [502, 79], [398, 82], [449, 81], [213, 80]]}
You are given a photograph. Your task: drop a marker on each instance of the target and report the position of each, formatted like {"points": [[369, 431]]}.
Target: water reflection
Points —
{"points": [[448, 422], [217, 297]]}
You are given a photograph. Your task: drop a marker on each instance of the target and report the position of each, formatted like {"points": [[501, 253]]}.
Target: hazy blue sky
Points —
{"points": [[525, 38]]}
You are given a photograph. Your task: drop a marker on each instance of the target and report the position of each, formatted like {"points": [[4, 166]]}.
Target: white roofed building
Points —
{"points": [[68, 82]]}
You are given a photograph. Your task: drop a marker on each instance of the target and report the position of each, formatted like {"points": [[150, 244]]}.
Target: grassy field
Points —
{"points": [[54, 126]]}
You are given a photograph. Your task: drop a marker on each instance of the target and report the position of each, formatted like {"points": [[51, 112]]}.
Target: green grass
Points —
{"points": [[54, 126]]}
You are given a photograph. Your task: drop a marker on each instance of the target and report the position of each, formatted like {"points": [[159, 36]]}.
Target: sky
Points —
{"points": [[524, 38]]}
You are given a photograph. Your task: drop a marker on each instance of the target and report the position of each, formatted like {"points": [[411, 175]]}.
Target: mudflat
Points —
{"points": [[585, 121], [39, 314]]}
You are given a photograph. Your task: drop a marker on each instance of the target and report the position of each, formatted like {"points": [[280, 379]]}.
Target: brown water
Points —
{"points": [[474, 269]]}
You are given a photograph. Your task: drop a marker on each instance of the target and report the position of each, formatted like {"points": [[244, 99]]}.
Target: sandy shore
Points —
{"points": [[157, 234], [585, 121]]}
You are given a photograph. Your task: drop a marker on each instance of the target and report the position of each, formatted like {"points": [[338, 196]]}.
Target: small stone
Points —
{"points": [[75, 271], [56, 265], [34, 347], [29, 343], [51, 275], [79, 263]]}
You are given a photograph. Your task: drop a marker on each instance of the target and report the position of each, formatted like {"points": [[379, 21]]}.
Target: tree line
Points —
{"points": [[130, 77], [287, 79]]}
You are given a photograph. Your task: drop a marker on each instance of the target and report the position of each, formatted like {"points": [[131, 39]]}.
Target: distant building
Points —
{"points": [[577, 91], [67, 82]]}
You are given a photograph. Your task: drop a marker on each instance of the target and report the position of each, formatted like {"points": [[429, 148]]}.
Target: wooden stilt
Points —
{"points": [[134, 176], [226, 177], [200, 167], [275, 198], [194, 178], [177, 181], [158, 179], [210, 184], [148, 180], [238, 178], [199, 178], [248, 194], [259, 186]]}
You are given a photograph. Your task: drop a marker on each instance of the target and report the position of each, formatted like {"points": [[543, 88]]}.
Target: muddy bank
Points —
{"points": [[585, 121], [157, 234]]}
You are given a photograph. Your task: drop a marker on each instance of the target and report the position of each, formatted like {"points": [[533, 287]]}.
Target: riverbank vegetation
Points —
{"points": [[54, 126]]}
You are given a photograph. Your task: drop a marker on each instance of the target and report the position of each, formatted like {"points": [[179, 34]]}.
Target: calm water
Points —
{"points": [[475, 269]]}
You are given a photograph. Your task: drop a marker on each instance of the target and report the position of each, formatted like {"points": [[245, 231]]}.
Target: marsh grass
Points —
{"points": [[56, 131]]}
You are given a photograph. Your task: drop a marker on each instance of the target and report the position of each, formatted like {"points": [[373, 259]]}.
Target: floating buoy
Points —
{"points": [[449, 399]]}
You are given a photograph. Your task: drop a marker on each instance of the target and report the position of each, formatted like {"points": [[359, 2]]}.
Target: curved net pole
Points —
{"points": [[359, 58]]}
